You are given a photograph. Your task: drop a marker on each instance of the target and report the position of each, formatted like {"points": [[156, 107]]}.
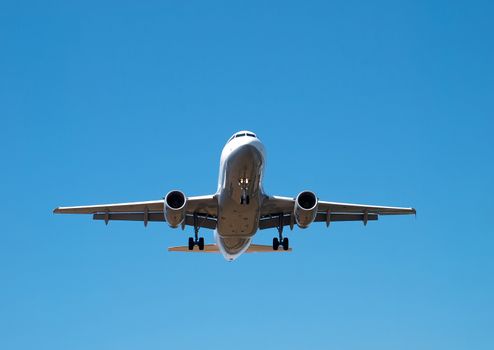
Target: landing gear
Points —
{"points": [[284, 243], [244, 186], [244, 199], [196, 240], [280, 241], [276, 243]]}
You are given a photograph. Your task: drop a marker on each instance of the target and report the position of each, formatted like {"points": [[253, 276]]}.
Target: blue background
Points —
{"points": [[385, 102]]}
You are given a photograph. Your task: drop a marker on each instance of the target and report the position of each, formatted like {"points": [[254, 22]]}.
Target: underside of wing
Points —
{"points": [[200, 210], [289, 220], [335, 207], [131, 207], [277, 204], [278, 211]]}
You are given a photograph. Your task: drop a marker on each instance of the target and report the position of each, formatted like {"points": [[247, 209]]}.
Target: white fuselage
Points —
{"points": [[239, 194]]}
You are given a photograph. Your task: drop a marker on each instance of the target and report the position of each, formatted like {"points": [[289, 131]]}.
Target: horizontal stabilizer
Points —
{"points": [[213, 248]]}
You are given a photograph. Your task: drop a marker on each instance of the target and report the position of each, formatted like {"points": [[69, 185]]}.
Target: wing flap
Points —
{"points": [[202, 219], [274, 221], [129, 217]]}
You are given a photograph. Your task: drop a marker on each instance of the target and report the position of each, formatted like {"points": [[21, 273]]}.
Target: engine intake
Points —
{"points": [[175, 202], [305, 209]]}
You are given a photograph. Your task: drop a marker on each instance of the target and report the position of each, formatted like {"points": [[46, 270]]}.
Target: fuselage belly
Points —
{"points": [[239, 195]]}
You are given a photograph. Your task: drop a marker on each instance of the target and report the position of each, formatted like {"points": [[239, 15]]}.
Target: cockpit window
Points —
{"points": [[242, 134]]}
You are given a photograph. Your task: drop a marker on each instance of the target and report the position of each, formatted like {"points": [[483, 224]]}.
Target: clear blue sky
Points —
{"points": [[384, 102]]}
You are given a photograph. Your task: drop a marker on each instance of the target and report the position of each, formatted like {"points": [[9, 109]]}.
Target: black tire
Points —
{"points": [[276, 243], [247, 200], [285, 243], [201, 243], [191, 243]]}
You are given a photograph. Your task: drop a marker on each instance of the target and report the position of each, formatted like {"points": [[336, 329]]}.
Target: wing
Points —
{"points": [[278, 210], [201, 209]]}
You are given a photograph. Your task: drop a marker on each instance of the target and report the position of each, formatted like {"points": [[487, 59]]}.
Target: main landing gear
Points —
{"points": [[280, 241], [196, 240], [193, 242]]}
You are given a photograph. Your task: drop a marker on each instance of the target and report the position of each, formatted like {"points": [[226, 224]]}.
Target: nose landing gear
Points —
{"points": [[244, 198], [244, 186]]}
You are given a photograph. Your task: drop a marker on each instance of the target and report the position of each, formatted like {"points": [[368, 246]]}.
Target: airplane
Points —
{"points": [[239, 208]]}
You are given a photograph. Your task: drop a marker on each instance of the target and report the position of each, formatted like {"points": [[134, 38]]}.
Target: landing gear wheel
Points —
{"points": [[191, 243], [285, 243], [200, 243], [276, 243], [245, 199]]}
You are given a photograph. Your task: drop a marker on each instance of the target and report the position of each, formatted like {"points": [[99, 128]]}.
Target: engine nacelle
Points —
{"points": [[305, 209], [174, 208]]}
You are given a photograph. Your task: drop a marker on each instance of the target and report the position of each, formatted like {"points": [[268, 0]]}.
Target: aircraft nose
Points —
{"points": [[252, 143], [248, 153]]}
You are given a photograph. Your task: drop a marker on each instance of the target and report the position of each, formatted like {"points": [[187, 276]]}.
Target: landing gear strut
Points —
{"points": [[196, 240], [244, 186], [244, 198], [280, 241]]}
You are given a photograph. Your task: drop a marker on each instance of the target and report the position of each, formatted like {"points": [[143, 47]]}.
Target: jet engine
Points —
{"points": [[174, 208], [305, 209]]}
